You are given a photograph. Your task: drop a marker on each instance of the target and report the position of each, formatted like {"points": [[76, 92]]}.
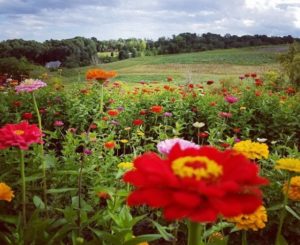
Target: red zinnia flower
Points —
{"points": [[17, 103], [290, 91], [143, 112], [156, 109], [258, 82], [198, 184], [257, 93], [110, 145], [113, 113], [27, 115], [20, 135], [209, 82], [253, 75], [224, 144], [137, 122], [203, 135]]}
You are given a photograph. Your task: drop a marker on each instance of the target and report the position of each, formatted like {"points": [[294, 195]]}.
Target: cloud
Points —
{"points": [[106, 19]]}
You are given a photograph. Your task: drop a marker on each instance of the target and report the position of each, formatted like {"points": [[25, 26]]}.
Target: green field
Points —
{"points": [[197, 66]]}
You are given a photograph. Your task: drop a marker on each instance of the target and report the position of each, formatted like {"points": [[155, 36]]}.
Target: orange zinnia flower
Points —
{"points": [[110, 145], [99, 75], [6, 193]]}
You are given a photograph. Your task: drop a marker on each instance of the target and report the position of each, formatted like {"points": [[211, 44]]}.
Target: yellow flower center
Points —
{"points": [[196, 167], [19, 132]]}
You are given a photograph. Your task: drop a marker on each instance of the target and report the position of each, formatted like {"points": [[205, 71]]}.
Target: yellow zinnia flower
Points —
{"points": [[124, 141], [252, 150], [6, 193], [290, 164], [140, 133], [254, 221], [294, 190], [126, 165]]}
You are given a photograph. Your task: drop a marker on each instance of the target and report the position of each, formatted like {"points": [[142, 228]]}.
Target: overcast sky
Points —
{"points": [[112, 19]]}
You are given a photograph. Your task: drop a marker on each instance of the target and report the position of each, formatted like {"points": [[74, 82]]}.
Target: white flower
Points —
{"points": [[262, 140], [199, 124]]}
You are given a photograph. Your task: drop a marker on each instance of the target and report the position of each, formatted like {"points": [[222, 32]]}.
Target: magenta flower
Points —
{"points": [[231, 99], [225, 114], [165, 146], [168, 114], [30, 85], [58, 124], [87, 151]]}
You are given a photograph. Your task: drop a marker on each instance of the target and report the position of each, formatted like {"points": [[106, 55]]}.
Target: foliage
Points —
{"points": [[291, 63], [95, 212], [16, 67]]}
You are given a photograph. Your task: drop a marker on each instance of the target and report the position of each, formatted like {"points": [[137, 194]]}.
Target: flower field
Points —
{"points": [[212, 162]]}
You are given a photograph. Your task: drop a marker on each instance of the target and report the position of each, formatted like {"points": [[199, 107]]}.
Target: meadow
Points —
{"points": [[198, 148]]}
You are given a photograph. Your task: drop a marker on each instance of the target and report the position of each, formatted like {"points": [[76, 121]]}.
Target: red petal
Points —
{"points": [[204, 214], [153, 197], [186, 199], [173, 212]]}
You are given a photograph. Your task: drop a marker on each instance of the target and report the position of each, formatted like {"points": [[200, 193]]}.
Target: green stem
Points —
{"points": [[195, 233], [79, 195], [101, 99], [175, 233], [41, 147], [244, 237], [23, 183], [283, 211]]}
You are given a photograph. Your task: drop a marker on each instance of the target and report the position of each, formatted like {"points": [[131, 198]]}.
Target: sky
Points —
{"points": [[112, 19]]}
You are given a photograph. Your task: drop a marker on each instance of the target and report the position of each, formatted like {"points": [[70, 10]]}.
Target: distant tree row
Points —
{"points": [[80, 51]]}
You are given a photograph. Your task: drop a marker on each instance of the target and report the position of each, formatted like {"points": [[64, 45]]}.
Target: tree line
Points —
{"points": [[80, 51]]}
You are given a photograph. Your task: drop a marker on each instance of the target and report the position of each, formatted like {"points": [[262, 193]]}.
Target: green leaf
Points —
{"points": [[9, 219], [142, 238], [292, 212], [52, 191], [275, 207], [50, 161], [38, 202], [162, 230], [216, 228]]}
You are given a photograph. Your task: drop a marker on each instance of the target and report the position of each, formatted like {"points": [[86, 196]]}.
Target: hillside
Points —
{"points": [[198, 65]]}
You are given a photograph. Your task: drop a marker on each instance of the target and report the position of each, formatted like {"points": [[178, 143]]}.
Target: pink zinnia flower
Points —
{"points": [[30, 85], [231, 99], [165, 146], [225, 114], [58, 124], [20, 135]]}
